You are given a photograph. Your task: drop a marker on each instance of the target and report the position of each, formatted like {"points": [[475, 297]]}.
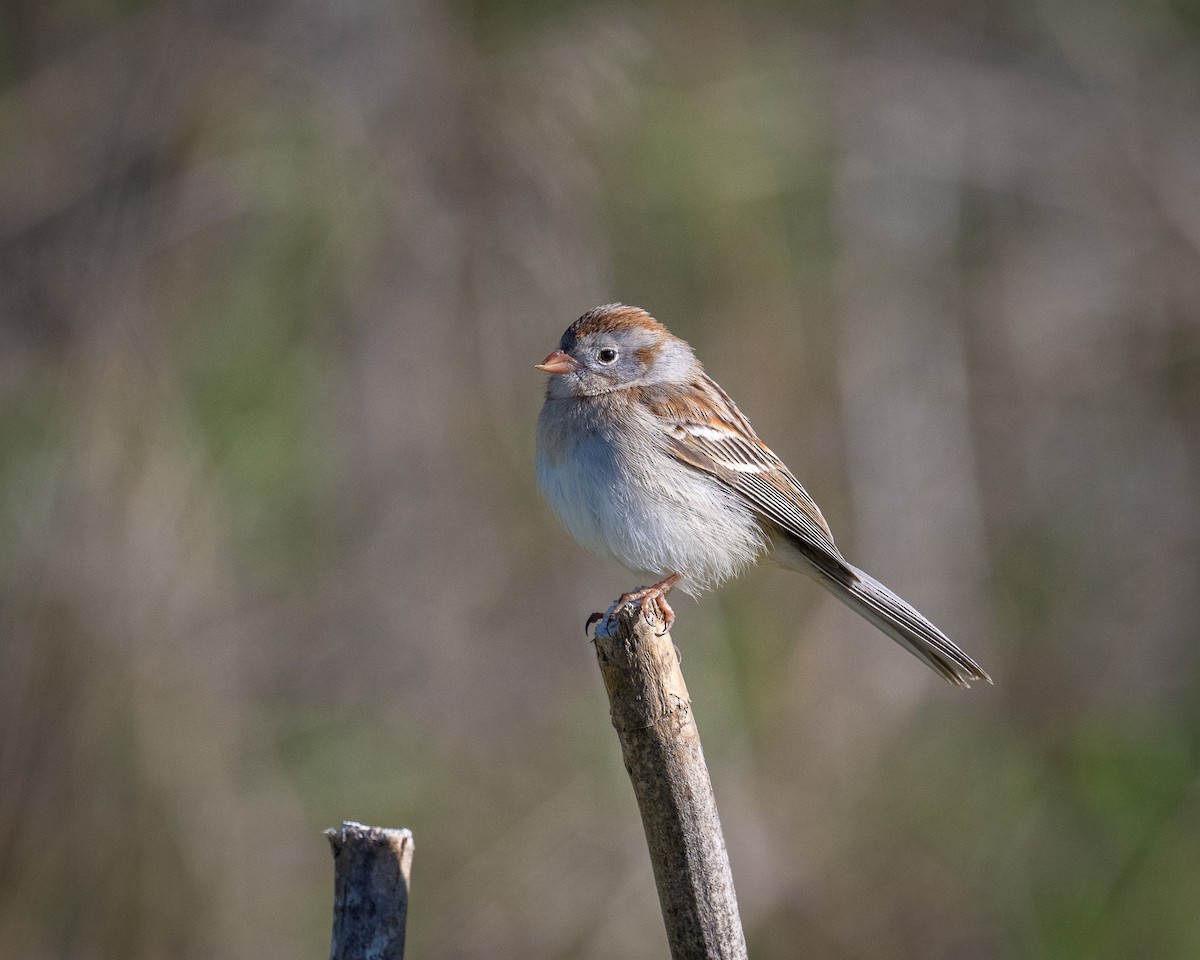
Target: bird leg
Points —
{"points": [[656, 595]]}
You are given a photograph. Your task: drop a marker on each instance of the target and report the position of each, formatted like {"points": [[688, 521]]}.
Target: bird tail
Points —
{"points": [[875, 603]]}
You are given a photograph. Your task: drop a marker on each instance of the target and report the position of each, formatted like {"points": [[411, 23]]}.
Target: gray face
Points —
{"points": [[607, 361]]}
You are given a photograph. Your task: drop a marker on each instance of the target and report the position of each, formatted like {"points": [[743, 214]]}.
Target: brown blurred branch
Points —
{"points": [[653, 717], [370, 891]]}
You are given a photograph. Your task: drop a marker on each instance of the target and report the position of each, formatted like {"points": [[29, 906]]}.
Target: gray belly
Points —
{"points": [[651, 513]]}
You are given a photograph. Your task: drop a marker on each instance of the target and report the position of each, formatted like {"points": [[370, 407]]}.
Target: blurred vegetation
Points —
{"points": [[272, 279]]}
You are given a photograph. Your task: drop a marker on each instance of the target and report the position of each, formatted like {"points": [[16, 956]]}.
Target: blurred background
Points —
{"points": [[273, 277]]}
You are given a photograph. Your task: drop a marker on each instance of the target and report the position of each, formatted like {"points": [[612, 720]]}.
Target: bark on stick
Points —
{"points": [[653, 718], [371, 868]]}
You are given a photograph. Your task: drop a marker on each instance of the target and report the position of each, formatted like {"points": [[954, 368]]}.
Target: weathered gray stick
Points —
{"points": [[371, 868], [661, 745]]}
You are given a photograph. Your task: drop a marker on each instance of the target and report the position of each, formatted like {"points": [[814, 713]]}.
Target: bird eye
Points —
{"points": [[606, 355]]}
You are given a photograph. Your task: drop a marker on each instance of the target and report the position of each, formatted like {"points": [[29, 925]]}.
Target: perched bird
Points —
{"points": [[648, 461]]}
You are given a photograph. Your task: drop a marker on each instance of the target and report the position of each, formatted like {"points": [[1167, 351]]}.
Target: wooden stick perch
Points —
{"points": [[371, 868], [653, 717]]}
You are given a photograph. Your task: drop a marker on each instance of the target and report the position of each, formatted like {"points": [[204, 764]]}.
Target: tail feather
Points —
{"points": [[877, 604]]}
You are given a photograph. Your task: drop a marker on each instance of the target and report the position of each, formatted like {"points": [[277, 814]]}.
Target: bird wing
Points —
{"points": [[704, 429]]}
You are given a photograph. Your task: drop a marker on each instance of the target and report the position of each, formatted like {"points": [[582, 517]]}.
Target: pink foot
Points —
{"points": [[656, 596]]}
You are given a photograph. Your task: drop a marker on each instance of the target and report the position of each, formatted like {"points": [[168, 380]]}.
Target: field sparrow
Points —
{"points": [[647, 461]]}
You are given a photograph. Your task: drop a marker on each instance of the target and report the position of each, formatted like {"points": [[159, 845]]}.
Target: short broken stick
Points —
{"points": [[371, 868]]}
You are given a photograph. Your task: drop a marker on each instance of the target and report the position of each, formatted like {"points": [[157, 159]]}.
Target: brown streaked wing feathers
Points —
{"points": [[712, 435]]}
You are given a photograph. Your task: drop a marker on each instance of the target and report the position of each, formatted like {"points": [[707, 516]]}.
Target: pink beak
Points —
{"points": [[557, 362]]}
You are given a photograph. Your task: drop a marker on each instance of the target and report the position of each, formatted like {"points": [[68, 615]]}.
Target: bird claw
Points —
{"points": [[665, 614], [652, 601]]}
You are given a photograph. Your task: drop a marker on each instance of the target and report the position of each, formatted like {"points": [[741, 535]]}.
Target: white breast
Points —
{"points": [[623, 496]]}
